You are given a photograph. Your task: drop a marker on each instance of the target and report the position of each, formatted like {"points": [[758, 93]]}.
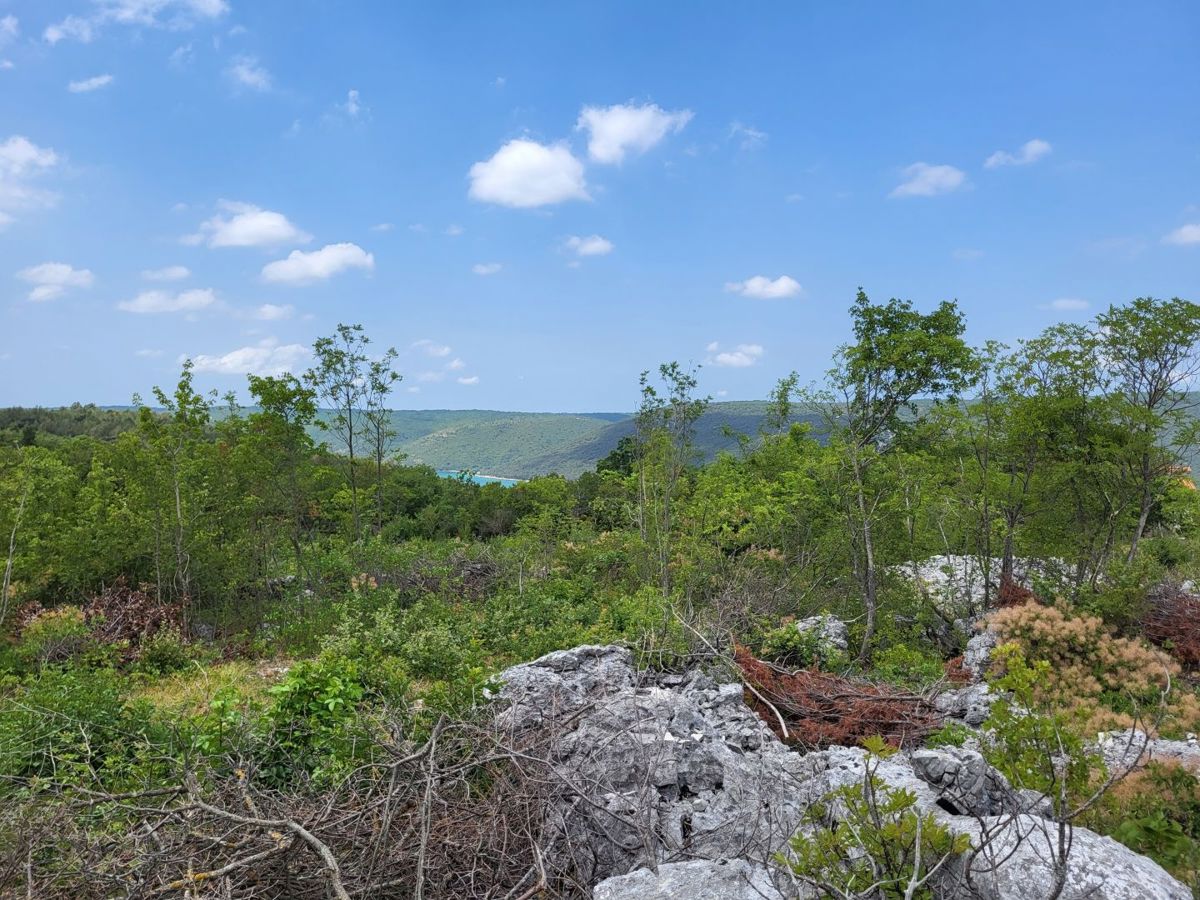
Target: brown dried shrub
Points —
{"points": [[1172, 621], [822, 710], [125, 617], [1013, 594]]}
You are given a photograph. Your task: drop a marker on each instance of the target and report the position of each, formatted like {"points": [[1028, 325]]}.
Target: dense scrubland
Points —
{"points": [[214, 624]]}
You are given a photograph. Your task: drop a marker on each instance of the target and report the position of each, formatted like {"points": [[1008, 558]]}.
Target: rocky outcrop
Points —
{"points": [[832, 633], [699, 879], [674, 788], [958, 585], [1131, 749]]}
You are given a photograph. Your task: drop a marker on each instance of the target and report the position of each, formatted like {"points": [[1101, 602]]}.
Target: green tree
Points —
{"points": [[1151, 349], [898, 356], [666, 424], [340, 381]]}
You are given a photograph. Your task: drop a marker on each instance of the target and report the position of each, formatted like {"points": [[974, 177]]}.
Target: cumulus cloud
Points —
{"points": [[454, 230], [383, 226], [9, 29], [246, 225], [486, 268], [1184, 235], [469, 379], [760, 287], [153, 302], [594, 245], [431, 348], [245, 71], [353, 106], [52, 279], [274, 312], [1029, 152], [524, 174], [268, 357], [740, 357], [167, 273], [173, 14], [455, 364], [87, 85], [614, 131], [303, 268], [22, 162], [924, 180]]}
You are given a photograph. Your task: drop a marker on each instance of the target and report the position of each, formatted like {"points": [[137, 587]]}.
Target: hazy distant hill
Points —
{"points": [[525, 444]]}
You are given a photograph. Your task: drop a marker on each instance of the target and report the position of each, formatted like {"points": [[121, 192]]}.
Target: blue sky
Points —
{"points": [[534, 202]]}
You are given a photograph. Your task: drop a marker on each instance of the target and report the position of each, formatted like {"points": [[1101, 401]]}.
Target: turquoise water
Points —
{"points": [[481, 479]]}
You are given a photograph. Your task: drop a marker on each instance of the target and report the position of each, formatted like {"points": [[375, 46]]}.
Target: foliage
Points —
{"points": [[870, 840]]}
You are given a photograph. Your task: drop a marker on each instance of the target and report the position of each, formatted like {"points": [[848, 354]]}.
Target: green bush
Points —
{"points": [[164, 652], [908, 666], [55, 636], [789, 646]]}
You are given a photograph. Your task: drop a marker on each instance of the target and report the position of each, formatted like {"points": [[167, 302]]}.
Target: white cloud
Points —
{"points": [[762, 288], [713, 347], [71, 28], [431, 348], [9, 29], [967, 254], [524, 174], [383, 226], [594, 245], [742, 356], [486, 268], [1069, 304], [616, 130], [468, 380], [924, 180], [150, 302], [751, 137], [182, 56], [1184, 235], [273, 312], [455, 364], [87, 85], [417, 228], [353, 105], [52, 279], [248, 73], [246, 225], [303, 268], [167, 273], [1030, 152], [173, 14], [21, 162], [793, 198], [147, 353], [454, 230], [268, 357], [6, 64]]}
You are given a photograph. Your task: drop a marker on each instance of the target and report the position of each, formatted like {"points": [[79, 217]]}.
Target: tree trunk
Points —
{"points": [[870, 592]]}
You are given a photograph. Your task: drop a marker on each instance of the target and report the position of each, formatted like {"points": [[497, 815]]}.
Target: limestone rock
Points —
{"points": [[830, 631], [699, 879], [677, 773]]}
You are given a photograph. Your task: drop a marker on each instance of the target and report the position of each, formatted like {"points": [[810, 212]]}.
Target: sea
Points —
{"points": [[480, 479]]}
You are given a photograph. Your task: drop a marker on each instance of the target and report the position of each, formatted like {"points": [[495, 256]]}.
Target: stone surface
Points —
{"points": [[832, 632], [977, 656], [1131, 749], [971, 704], [676, 772], [699, 879], [955, 585]]}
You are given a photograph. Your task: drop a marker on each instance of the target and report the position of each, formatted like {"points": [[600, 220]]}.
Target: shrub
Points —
{"points": [[821, 709], [163, 652], [867, 839], [908, 666], [54, 636], [789, 646], [1172, 621], [1111, 680]]}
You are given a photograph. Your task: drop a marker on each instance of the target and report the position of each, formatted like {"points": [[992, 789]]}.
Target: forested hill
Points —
{"points": [[514, 444]]}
